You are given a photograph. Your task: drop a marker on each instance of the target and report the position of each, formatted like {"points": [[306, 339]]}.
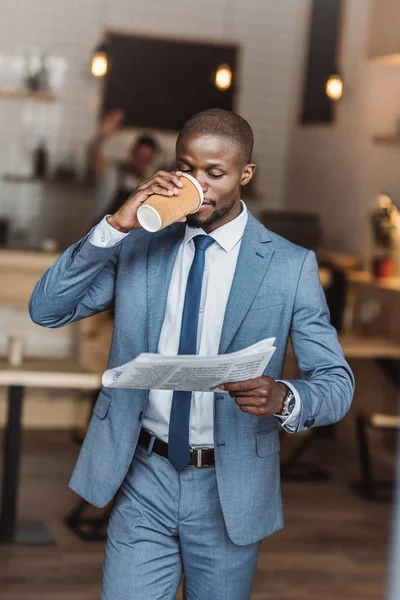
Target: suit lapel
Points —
{"points": [[163, 249], [253, 261]]}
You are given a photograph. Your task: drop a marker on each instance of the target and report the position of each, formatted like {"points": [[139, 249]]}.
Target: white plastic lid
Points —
{"points": [[149, 218]]}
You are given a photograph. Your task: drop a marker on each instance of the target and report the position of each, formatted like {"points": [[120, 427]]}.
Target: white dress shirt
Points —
{"points": [[220, 265]]}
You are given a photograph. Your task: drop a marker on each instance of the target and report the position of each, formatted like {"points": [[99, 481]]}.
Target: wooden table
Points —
{"points": [[40, 374], [367, 278]]}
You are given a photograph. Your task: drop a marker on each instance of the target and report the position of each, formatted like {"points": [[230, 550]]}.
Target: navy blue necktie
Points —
{"points": [[178, 438]]}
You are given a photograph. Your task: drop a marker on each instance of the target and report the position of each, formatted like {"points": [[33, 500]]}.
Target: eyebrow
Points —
{"points": [[209, 166]]}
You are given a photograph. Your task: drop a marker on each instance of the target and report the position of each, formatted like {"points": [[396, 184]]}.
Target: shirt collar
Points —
{"points": [[227, 235]]}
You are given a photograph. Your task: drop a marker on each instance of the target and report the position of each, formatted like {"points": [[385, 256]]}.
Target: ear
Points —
{"points": [[247, 174]]}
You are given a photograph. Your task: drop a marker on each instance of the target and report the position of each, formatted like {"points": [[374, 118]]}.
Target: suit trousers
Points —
{"points": [[166, 524]]}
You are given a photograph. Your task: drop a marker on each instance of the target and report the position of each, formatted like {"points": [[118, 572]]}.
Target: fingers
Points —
{"points": [[260, 383], [251, 401], [164, 183], [163, 190], [173, 178], [257, 406], [254, 392], [118, 115], [159, 186], [256, 411]]}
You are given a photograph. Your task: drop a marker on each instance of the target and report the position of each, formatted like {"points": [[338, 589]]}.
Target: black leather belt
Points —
{"points": [[201, 457]]}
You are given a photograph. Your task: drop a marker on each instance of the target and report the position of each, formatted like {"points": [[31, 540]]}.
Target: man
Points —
{"points": [[196, 477], [116, 182]]}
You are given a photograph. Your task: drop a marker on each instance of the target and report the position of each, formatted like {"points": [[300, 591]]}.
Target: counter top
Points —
{"points": [[26, 260], [48, 373], [366, 278]]}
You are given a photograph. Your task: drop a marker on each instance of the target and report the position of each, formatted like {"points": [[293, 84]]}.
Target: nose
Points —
{"points": [[201, 178]]}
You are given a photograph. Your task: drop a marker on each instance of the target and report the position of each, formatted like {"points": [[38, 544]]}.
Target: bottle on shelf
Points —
{"points": [[40, 161], [43, 75]]}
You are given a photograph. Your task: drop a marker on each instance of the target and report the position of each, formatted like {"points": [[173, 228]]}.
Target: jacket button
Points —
{"points": [[140, 415], [309, 423]]}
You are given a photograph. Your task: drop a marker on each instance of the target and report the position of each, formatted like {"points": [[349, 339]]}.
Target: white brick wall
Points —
{"points": [[267, 31]]}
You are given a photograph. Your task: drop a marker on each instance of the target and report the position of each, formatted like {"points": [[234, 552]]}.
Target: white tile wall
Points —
{"points": [[68, 30]]}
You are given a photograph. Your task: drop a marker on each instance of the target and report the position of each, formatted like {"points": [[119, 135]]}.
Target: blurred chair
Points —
{"points": [[303, 229], [333, 280], [369, 487]]}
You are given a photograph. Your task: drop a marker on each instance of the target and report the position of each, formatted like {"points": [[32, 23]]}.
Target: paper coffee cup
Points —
{"points": [[159, 211]]}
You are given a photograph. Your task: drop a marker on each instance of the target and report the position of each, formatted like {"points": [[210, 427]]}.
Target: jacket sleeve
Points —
{"points": [[326, 386], [79, 284]]}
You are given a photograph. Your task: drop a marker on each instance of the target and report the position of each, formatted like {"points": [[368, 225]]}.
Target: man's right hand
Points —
{"points": [[111, 123], [163, 183]]}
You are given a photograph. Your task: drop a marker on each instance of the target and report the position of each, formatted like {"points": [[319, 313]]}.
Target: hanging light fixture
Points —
{"points": [[334, 87], [100, 61], [223, 77]]}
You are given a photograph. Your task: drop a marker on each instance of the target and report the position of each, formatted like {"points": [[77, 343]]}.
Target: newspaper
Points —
{"points": [[191, 373]]}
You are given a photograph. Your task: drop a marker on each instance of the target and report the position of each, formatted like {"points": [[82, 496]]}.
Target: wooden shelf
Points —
{"points": [[17, 178], [27, 94], [387, 140]]}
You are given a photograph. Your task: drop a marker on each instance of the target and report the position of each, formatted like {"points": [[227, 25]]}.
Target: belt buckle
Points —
{"points": [[199, 456]]}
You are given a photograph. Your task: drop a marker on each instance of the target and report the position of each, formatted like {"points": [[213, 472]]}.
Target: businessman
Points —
{"points": [[196, 476]]}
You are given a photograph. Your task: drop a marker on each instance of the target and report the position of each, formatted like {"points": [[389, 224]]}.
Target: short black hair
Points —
{"points": [[221, 123], [145, 140]]}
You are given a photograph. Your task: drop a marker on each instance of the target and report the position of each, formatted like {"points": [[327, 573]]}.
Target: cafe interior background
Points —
{"points": [[319, 81]]}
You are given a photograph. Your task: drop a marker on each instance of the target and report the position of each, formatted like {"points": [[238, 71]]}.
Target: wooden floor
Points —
{"points": [[333, 547]]}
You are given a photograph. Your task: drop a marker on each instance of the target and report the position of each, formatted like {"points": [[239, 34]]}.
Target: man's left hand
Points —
{"points": [[262, 397]]}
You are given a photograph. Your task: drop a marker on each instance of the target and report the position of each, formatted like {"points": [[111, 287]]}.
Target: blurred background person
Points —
{"points": [[116, 180]]}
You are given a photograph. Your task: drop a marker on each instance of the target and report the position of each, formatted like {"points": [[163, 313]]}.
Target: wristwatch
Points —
{"points": [[288, 404]]}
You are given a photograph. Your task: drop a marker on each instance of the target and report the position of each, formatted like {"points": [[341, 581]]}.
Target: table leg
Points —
{"points": [[11, 459], [10, 530]]}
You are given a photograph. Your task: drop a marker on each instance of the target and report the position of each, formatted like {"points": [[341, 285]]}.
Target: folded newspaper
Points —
{"points": [[191, 373]]}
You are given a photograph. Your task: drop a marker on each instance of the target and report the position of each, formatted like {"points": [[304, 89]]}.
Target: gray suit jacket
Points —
{"points": [[275, 292]]}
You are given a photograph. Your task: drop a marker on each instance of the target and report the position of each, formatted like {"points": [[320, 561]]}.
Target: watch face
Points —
{"points": [[289, 403]]}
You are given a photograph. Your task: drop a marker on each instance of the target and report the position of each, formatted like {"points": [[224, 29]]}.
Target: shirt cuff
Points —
{"points": [[290, 423], [105, 236]]}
